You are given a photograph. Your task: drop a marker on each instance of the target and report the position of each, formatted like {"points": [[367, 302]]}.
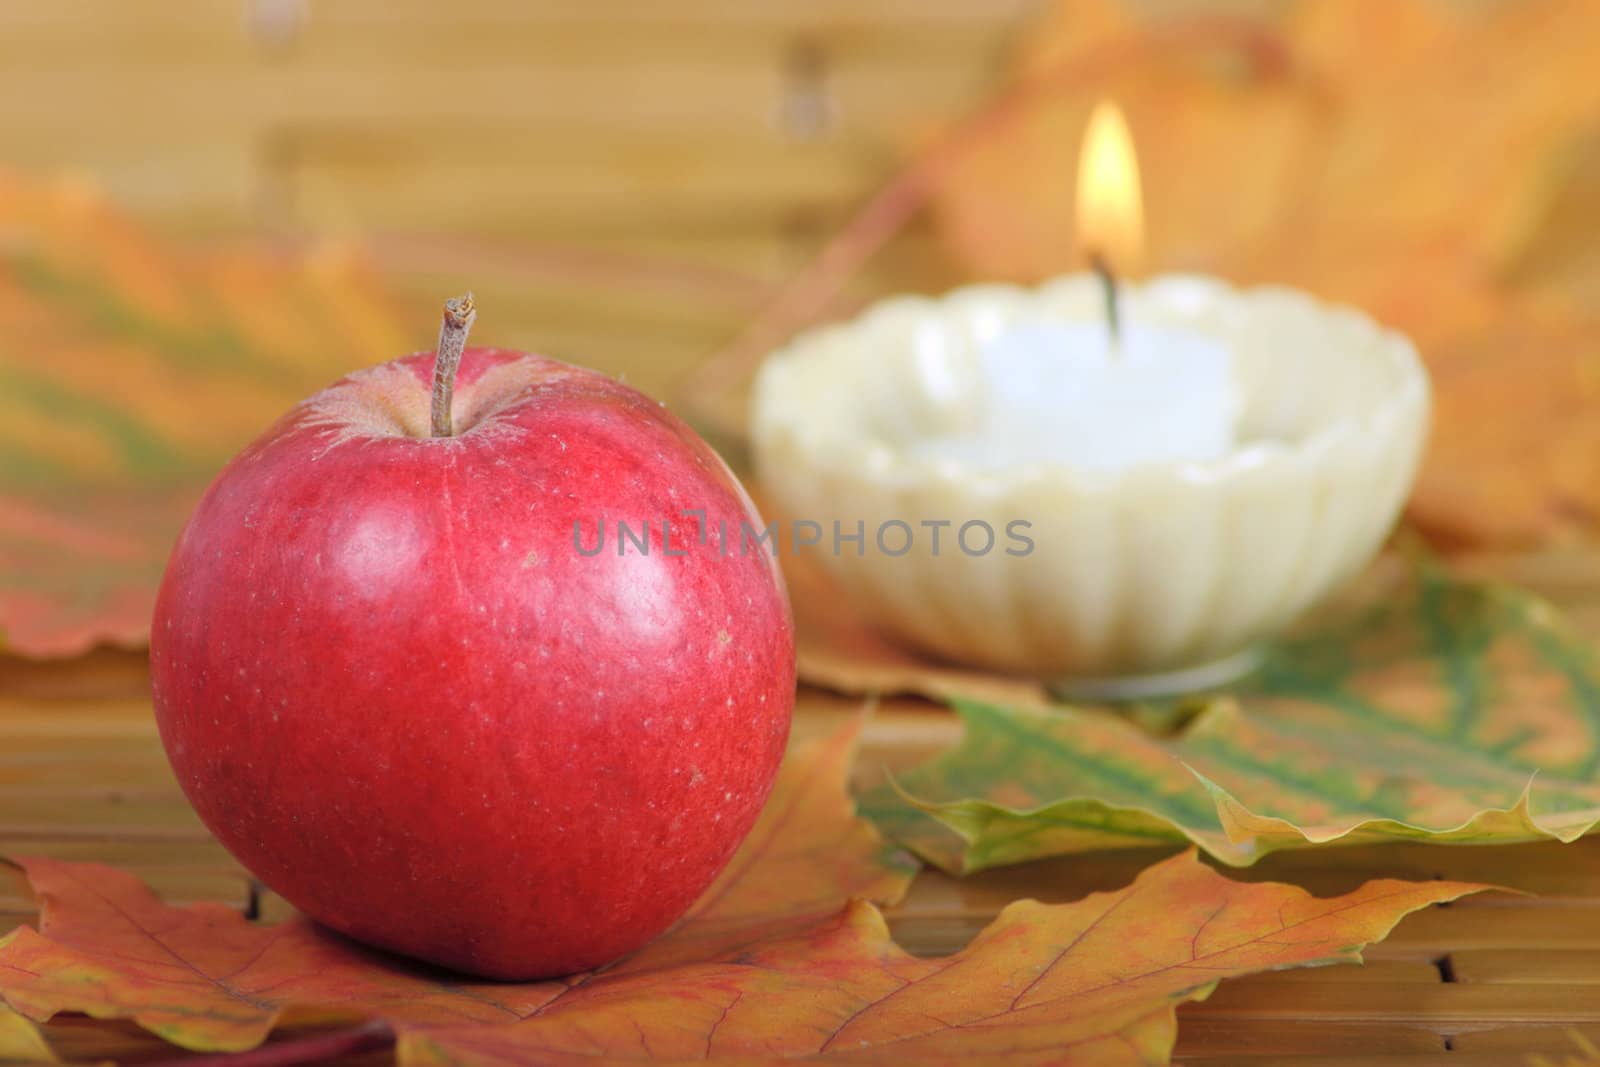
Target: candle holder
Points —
{"points": [[1161, 578]]}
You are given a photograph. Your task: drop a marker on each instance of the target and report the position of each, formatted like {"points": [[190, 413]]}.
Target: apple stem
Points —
{"points": [[458, 318]]}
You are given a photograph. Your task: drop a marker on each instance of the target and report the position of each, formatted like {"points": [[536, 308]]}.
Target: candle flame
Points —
{"points": [[1110, 213]]}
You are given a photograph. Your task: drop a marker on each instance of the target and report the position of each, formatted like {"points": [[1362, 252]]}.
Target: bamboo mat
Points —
{"points": [[82, 776]]}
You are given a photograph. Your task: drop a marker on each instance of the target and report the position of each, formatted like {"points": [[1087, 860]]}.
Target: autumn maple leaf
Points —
{"points": [[1430, 709], [135, 371], [773, 963], [1417, 159]]}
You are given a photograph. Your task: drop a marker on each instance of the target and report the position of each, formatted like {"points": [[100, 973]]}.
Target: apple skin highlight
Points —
{"points": [[394, 688]]}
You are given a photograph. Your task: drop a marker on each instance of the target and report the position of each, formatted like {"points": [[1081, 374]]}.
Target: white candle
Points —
{"points": [[1059, 393]]}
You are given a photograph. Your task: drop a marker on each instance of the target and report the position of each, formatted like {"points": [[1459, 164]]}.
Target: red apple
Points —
{"points": [[395, 688]]}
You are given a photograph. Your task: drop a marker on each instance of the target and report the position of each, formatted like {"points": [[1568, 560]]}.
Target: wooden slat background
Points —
{"points": [[568, 160], [624, 182]]}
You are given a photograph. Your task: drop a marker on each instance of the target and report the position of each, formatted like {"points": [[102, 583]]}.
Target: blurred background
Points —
{"points": [[622, 182], [210, 208]]}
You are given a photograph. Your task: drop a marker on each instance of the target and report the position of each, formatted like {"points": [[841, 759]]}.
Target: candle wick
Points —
{"points": [[1108, 286]]}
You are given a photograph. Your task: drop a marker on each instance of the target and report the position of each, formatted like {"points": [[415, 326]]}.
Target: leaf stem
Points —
{"points": [[459, 315], [316, 1049]]}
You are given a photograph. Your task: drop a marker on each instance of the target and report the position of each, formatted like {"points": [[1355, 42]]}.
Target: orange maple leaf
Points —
{"points": [[1096, 981], [1418, 159], [204, 977], [766, 966], [129, 373]]}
